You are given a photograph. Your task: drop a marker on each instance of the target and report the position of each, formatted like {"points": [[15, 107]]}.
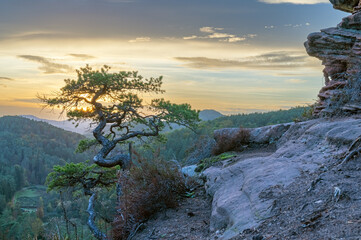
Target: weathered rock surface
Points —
{"points": [[339, 48], [190, 171], [243, 192], [345, 5], [261, 135]]}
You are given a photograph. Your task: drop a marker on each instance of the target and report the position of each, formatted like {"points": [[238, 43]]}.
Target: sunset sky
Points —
{"points": [[234, 56]]}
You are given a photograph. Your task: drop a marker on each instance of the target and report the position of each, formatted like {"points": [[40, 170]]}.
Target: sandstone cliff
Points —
{"points": [[339, 48]]}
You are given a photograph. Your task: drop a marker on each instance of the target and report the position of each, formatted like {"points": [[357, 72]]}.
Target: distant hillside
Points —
{"points": [[29, 150], [84, 127], [183, 141], [209, 114]]}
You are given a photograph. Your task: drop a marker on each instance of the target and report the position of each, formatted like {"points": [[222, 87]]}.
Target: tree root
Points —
{"points": [[352, 153]]}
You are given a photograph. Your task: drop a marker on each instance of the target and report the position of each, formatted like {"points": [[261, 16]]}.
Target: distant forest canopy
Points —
{"points": [[29, 150], [180, 143]]}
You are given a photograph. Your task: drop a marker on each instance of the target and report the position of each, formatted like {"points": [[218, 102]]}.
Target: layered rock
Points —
{"points": [[345, 5], [339, 48], [244, 191]]}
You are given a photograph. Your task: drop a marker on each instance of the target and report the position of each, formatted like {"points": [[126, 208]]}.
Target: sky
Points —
{"points": [[233, 56]]}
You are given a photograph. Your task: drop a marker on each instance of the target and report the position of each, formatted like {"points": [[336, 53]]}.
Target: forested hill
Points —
{"points": [[29, 150], [183, 142]]}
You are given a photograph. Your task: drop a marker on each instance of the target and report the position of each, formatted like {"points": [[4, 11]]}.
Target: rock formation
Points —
{"points": [[339, 48], [345, 5], [245, 189]]}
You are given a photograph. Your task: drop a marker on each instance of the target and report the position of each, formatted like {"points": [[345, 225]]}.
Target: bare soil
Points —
{"points": [[190, 220]]}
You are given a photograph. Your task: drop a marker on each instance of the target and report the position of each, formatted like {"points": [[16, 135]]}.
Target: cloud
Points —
{"points": [[140, 39], [81, 56], [289, 25], [295, 81], [213, 33], [33, 35], [221, 35], [234, 39], [47, 65], [6, 79], [269, 27], [209, 29], [27, 100], [190, 37], [269, 61], [294, 1]]}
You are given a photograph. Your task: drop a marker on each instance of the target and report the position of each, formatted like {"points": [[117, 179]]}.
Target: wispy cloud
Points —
{"points": [[27, 100], [289, 25], [268, 61], [140, 39], [6, 79], [47, 64], [81, 56], [294, 1], [33, 35], [269, 27], [295, 81], [210, 29], [213, 33]]}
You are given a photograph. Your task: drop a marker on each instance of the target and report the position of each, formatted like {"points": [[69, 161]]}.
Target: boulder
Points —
{"points": [[190, 171], [261, 135], [243, 192]]}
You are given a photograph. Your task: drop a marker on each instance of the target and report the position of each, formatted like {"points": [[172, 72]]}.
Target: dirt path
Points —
{"points": [[190, 220]]}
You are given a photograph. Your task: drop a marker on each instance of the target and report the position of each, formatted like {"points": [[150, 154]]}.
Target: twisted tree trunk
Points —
{"points": [[97, 233]]}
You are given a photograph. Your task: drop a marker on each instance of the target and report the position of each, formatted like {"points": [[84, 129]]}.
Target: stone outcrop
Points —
{"points": [[258, 136], [345, 5], [244, 191], [339, 48]]}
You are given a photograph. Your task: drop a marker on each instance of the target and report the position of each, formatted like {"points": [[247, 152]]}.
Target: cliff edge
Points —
{"points": [[246, 190]]}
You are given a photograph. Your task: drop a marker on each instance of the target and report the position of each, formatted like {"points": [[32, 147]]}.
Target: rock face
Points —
{"points": [[345, 5], [243, 192], [258, 136], [339, 48]]}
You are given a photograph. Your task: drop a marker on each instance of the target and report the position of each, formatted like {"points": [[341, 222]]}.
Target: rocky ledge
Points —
{"points": [[339, 48], [244, 191], [345, 5]]}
